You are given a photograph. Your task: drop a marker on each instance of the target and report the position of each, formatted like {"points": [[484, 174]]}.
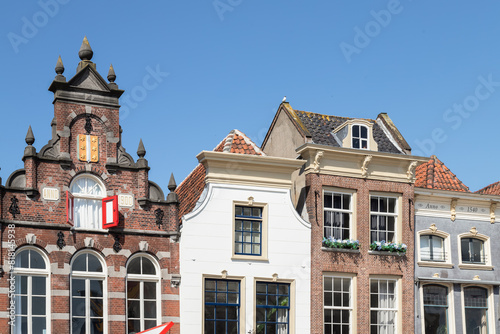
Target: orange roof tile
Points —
{"points": [[435, 175], [492, 189], [189, 191]]}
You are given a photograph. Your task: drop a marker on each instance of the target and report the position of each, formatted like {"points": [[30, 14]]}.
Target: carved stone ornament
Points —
{"points": [[88, 125], [476, 278], [410, 173], [30, 238], [436, 275], [493, 207], [453, 209], [433, 228], [143, 246], [159, 214], [14, 208], [224, 274], [473, 231], [117, 247], [317, 161], [60, 240], [364, 167], [275, 277], [89, 242], [250, 200]]}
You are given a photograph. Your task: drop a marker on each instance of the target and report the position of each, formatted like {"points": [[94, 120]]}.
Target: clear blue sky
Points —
{"points": [[434, 67]]}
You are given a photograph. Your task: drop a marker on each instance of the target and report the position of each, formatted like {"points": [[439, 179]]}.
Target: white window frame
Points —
{"points": [[396, 215], [397, 300], [446, 248], [144, 278], [39, 273], [351, 211], [87, 276], [360, 138], [451, 311], [490, 303], [88, 225], [352, 299], [486, 249]]}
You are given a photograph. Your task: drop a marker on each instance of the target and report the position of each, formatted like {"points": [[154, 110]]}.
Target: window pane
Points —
{"points": [[79, 264], [39, 325], [78, 325], [337, 201], [364, 132], [78, 287], [355, 130], [374, 204], [96, 326], [22, 259], [465, 250], [149, 290], [36, 260], [96, 307], [134, 309], [355, 143], [95, 288], [134, 267], [150, 309], [425, 253], [149, 324], [328, 200], [134, 326], [78, 306], [94, 265], [38, 285], [148, 267], [21, 284], [38, 305]]}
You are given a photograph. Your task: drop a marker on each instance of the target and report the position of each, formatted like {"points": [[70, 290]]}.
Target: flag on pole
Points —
{"points": [[162, 329]]}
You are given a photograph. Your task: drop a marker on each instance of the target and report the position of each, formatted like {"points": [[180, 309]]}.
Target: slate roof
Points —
{"points": [[492, 189], [435, 175], [189, 191], [320, 128]]}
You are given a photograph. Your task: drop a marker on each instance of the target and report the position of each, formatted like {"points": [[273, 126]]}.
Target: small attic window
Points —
{"points": [[360, 137]]}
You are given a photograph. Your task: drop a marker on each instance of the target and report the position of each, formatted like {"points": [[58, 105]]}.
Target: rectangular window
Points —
{"points": [[476, 310], [222, 306], [248, 230], [337, 305], [383, 306], [435, 308], [473, 251], [432, 248], [383, 217], [273, 307], [337, 215]]}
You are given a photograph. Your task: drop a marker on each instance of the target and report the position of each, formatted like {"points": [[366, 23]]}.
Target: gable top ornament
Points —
{"points": [[474, 231], [433, 228]]}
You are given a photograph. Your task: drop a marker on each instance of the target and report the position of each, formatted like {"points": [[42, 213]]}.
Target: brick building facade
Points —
{"points": [[70, 273]]}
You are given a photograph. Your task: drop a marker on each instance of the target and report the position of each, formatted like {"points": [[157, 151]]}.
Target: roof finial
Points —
{"points": [[111, 74], [171, 184], [30, 138], [141, 151], [85, 52], [60, 70]]}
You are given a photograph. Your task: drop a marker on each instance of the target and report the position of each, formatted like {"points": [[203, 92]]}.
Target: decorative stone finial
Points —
{"points": [[141, 151], [85, 52], [111, 74], [30, 138], [60, 70], [171, 184]]}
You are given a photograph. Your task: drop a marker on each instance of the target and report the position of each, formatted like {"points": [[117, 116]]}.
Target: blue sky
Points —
{"points": [[433, 67]]}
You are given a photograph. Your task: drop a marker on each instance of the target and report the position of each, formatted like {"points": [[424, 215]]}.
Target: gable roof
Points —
{"points": [[319, 128], [189, 191], [435, 175], [492, 189]]}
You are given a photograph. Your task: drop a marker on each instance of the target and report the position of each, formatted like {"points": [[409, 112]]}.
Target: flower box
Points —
{"points": [[333, 243], [387, 247]]}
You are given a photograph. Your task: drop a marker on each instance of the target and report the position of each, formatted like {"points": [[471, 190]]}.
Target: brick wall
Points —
{"points": [[361, 264]]}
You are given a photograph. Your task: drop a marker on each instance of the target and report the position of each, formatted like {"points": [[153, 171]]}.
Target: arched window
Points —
{"points": [[360, 137], [88, 193], [436, 309], [143, 293], [88, 290], [476, 310], [32, 305]]}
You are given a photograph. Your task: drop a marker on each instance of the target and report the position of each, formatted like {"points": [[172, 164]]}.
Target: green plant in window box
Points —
{"points": [[331, 242], [391, 247]]}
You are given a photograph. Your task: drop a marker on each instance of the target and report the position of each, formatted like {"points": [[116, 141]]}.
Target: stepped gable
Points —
{"points": [[435, 175], [189, 191]]}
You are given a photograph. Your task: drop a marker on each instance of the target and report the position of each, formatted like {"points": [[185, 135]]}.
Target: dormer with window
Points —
{"points": [[357, 134]]}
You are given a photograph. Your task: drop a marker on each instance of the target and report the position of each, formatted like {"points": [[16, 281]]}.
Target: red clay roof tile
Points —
{"points": [[492, 189], [435, 175], [189, 191]]}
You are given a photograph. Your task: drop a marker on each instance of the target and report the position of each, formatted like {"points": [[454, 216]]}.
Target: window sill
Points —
{"points": [[372, 252], [340, 250], [249, 258], [89, 230], [434, 264], [475, 266]]}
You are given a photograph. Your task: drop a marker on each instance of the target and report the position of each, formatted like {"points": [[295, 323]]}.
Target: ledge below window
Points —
{"points": [[475, 266], [341, 250], [372, 252], [434, 264]]}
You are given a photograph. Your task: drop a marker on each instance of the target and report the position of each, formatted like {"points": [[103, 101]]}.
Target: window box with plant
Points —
{"points": [[331, 242], [391, 247]]}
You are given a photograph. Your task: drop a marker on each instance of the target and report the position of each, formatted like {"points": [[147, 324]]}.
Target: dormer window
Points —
{"points": [[360, 137]]}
